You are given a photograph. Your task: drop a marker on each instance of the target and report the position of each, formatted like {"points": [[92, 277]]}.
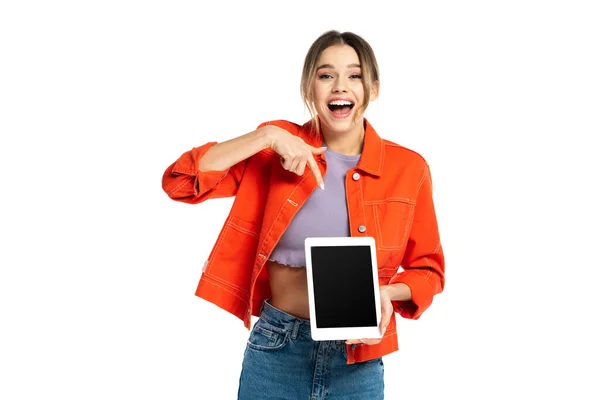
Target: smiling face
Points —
{"points": [[338, 90]]}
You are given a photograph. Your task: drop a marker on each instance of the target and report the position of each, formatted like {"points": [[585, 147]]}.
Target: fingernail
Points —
{"points": [[322, 186]]}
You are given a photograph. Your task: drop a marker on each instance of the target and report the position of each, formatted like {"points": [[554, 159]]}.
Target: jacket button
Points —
{"points": [[356, 176], [362, 228]]}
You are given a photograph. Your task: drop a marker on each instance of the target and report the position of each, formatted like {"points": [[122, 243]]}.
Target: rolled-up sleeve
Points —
{"points": [[183, 181]]}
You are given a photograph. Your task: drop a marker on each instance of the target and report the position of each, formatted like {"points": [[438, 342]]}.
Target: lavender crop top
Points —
{"points": [[325, 213]]}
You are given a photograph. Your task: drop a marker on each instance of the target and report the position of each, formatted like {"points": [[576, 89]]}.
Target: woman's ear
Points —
{"points": [[374, 91]]}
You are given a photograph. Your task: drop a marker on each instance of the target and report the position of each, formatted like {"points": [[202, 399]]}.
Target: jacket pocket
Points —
{"points": [[266, 337], [234, 253], [393, 219]]}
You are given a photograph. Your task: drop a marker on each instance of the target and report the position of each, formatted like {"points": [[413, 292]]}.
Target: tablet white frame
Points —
{"points": [[366, 332]]}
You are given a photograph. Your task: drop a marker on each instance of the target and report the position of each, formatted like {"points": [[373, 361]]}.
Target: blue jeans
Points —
{"points": [[282, 361]]}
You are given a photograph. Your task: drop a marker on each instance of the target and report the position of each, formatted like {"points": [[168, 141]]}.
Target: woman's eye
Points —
{"points": [[356, 76], [325, 76]]}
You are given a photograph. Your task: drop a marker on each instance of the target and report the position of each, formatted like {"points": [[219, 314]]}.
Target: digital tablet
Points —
{"points": [[343, 288]]}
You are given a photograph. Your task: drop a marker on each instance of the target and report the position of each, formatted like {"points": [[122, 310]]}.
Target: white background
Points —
{"points": [[99, 266]]}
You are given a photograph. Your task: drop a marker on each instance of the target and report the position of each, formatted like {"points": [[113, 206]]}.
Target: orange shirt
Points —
{"points": [[391, 197]]}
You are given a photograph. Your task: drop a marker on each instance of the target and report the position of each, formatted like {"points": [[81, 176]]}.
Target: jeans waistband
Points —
{"points": [[277, 317]]}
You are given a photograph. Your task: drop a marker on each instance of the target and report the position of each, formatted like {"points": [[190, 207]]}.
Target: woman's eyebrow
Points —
{"points": [[332, 67]]}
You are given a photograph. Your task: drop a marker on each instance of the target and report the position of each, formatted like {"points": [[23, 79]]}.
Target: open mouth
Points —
{"points": [[340, 108]]}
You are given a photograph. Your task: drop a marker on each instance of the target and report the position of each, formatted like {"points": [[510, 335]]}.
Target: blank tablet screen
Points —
{"points": [[343, 286]]}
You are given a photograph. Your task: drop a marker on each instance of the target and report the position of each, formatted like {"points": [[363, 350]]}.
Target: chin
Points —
{"points": [[338, 126]]}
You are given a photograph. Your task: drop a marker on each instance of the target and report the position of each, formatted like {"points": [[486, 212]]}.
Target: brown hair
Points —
{"points": [[366, 57]]}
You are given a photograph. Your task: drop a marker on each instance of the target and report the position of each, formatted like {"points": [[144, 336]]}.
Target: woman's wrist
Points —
{"points": [[398, 291], [268, 135]]}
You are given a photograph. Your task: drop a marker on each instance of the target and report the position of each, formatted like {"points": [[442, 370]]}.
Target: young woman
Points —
{"points": [[332, 176]]}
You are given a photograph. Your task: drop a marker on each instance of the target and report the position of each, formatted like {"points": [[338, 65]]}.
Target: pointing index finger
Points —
{"points": [[312, 164]]}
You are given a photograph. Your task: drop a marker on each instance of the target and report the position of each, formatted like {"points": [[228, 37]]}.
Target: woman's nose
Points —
{"points": [[340, 86]]}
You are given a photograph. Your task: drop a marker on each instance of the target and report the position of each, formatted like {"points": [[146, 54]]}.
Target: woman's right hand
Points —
{"points": [[295, 153]]}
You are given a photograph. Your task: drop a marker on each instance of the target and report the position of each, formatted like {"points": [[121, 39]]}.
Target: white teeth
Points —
{"points": [[340, 103]]}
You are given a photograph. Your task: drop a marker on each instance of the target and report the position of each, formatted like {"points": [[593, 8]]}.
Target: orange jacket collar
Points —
{"points": [[371, 158]]}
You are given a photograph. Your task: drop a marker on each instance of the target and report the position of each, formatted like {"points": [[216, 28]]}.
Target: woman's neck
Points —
{"points": [[349, 143]]}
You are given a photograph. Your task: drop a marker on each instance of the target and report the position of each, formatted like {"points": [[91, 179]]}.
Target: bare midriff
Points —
{"points": [[289, 289]]}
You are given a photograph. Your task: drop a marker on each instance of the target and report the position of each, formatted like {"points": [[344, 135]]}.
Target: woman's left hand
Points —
{"points": [[386, 314]]}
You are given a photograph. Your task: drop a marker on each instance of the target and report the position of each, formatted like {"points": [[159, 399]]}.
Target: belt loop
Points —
{"points": [[295, 329], [262, 307]]}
